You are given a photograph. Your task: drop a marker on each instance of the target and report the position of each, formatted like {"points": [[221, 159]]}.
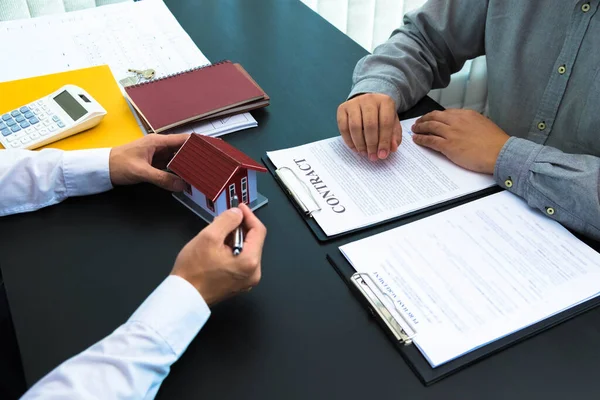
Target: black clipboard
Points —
{"points": [[411, 353], [322, 236]]}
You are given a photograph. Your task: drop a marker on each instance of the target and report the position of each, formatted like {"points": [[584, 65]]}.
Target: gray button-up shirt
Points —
{"points": [[543, 61]]}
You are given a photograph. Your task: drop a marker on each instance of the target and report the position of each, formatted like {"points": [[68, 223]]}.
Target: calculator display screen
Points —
{"points": [[70, 105]]}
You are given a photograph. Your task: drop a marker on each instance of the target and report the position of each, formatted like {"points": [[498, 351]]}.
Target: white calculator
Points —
{"points": [[63, 113]]}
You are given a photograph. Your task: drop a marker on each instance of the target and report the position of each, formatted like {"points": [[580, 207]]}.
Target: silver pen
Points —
{"points": [[238, 234]]}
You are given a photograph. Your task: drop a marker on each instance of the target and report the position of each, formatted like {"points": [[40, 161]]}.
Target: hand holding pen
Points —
{"points": [[207, 261]]}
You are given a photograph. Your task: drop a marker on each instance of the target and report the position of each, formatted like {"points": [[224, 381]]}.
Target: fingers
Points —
{"points": [[432, 127], [430, 141], [254, 239], [224, 224], [367, 124], [446, 117], [162, 179], [169, 141], [164, 147], [396, 136], [342, 120], [387, 124], [255, 278], [355, 124], [255, 230], [370, 118]]}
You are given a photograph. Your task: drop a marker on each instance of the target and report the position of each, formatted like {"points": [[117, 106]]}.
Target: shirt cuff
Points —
{"points": [[176, 311], [86, 171], [376, 85], [514, 163]]}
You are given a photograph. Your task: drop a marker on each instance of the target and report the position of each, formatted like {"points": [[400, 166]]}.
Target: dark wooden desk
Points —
{"points": [[76, 271]]}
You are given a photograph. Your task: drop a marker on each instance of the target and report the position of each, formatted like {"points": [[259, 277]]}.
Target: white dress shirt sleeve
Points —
{"points": [[132, 362], [30, 180]]}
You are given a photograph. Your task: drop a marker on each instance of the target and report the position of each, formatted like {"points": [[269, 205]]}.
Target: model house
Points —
{"points": [[216, 172]]}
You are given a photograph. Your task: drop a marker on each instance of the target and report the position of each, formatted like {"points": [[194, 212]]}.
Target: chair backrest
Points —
{"points": [[19, 9], [467, 88]]}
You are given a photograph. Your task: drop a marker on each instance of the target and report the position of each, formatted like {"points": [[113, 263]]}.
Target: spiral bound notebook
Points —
{"points": [[205, 92]]}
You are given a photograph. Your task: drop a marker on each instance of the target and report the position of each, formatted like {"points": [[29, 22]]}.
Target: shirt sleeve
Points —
{"points": [[133, 361], [565, 187], [30, 180], [434, 42]]}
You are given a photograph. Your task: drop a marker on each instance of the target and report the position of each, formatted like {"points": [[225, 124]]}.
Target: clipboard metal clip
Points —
{"points": [[359, 279], [294, 193]]}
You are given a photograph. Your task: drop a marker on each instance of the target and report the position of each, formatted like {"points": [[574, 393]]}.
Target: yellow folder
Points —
{"points": [[117, 127]]}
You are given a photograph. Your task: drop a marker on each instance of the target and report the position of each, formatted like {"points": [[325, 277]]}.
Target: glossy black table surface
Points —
{"points": [[76, 271]]}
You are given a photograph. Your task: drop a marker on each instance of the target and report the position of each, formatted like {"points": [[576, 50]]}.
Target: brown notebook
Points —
{"points": [[207, 92]]}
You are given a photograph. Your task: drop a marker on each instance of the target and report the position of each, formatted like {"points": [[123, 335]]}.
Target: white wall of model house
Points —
{"points": [[252, 187], [199, 198], [221, 204]]}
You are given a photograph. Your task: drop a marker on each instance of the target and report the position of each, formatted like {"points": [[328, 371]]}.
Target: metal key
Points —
{"points": [[146, 73]]}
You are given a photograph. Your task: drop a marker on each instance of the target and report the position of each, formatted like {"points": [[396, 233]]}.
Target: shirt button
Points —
{"points": [[562, 69], [585, 7], [508, 183], [549, 210], [541, 125]]}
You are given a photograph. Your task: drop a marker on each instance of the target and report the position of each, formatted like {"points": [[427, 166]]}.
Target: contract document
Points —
{"points": [[474, 274], [344, 191]]}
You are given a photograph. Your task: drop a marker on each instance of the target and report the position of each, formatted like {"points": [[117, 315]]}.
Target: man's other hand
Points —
{"points": [[369, 125], [143, 160], [466, 137], [208, 263]]}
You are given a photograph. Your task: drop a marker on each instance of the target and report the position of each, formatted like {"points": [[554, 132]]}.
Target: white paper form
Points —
{"points": [[478, 272], [353, 192], [126, 35], [218, 127], [138, 35]]}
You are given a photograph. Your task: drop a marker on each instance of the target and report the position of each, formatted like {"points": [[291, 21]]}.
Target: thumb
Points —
{"points": [[225, 223], [163, 179]]}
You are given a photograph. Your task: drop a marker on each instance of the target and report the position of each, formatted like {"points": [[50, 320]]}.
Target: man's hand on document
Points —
{"points": [[466, 137], [369, 125]]}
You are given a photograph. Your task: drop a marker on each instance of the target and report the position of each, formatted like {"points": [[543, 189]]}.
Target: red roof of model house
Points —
{"points": [[208, 164]]}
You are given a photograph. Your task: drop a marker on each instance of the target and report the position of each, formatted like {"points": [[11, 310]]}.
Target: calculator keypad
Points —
{"points": [[28, 124]]}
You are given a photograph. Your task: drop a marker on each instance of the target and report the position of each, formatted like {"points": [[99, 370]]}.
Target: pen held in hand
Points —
{"points": [[238, 234]]}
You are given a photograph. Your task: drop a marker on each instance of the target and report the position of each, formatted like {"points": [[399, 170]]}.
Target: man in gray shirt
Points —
{"points": [[542, 139]]}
